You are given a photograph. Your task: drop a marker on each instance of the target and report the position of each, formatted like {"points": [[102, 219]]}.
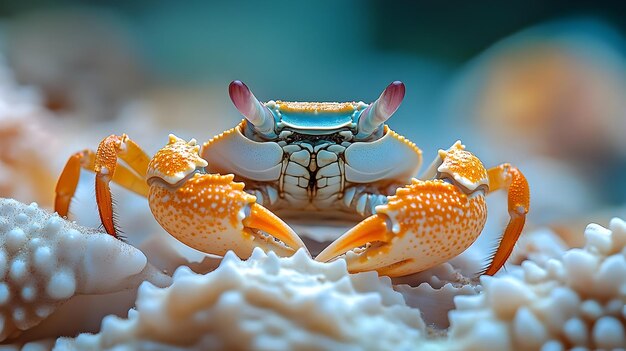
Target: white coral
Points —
{"points": [[556, 299], [576, 300], [265, 303], [45, 260]]}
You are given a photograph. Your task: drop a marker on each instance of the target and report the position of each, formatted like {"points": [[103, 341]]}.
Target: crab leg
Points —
{"points": [[68, 181], [86, 159], [510, 178], [210, 212], [431, 221], [109, 150]]}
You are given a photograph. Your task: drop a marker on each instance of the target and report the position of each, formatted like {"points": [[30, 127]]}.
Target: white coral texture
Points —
{"points": [[45, 260], [576, 300], [263, 303]]}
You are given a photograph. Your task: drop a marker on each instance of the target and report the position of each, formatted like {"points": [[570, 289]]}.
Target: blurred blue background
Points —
{"points": [[538, 84]]}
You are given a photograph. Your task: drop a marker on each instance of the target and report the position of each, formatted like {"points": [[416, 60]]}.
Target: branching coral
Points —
{"points": [[45, 260], [264, 303], [576, 300]]}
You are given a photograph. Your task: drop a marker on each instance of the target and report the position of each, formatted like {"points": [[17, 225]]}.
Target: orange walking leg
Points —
{"points": [[510, 178], [68, 180], [104, 163]]}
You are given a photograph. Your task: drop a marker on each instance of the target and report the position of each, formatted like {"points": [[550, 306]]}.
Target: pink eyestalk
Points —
{"points": [[380, 110], [252, 109]]}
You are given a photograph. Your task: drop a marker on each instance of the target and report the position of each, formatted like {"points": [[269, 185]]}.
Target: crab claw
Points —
{"points": [[260, 218], [213, 214], [371, 231], [210, 212], [366, 247], [426, 223]]}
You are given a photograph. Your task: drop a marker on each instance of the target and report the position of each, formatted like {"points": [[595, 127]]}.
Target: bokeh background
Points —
{"points": [[538, 84]]}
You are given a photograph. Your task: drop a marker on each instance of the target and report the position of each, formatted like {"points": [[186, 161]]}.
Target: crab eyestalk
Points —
{"points": [[210, 212], [379, 111], [252, 109]]}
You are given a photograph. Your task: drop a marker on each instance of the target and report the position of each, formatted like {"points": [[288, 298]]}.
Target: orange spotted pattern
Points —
{"points": [[316, 107], [519, 195], [463, 166], [107, 154], [204, 213], [176, 160], [435, 221]]}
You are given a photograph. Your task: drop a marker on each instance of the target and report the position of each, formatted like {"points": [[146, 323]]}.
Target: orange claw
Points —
{"points": [[371, 230], [213, 214], [210, 212], [426, 223], [429, 222], [507, 177], [263, 219]]}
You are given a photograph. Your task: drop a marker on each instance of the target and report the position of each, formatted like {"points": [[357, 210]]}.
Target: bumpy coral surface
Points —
{"points": [[576, 300], [264, 303], [553, 299], [45, 260]]}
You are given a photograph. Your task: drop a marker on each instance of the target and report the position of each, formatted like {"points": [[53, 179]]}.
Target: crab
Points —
{"points": [[309, 159]]}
